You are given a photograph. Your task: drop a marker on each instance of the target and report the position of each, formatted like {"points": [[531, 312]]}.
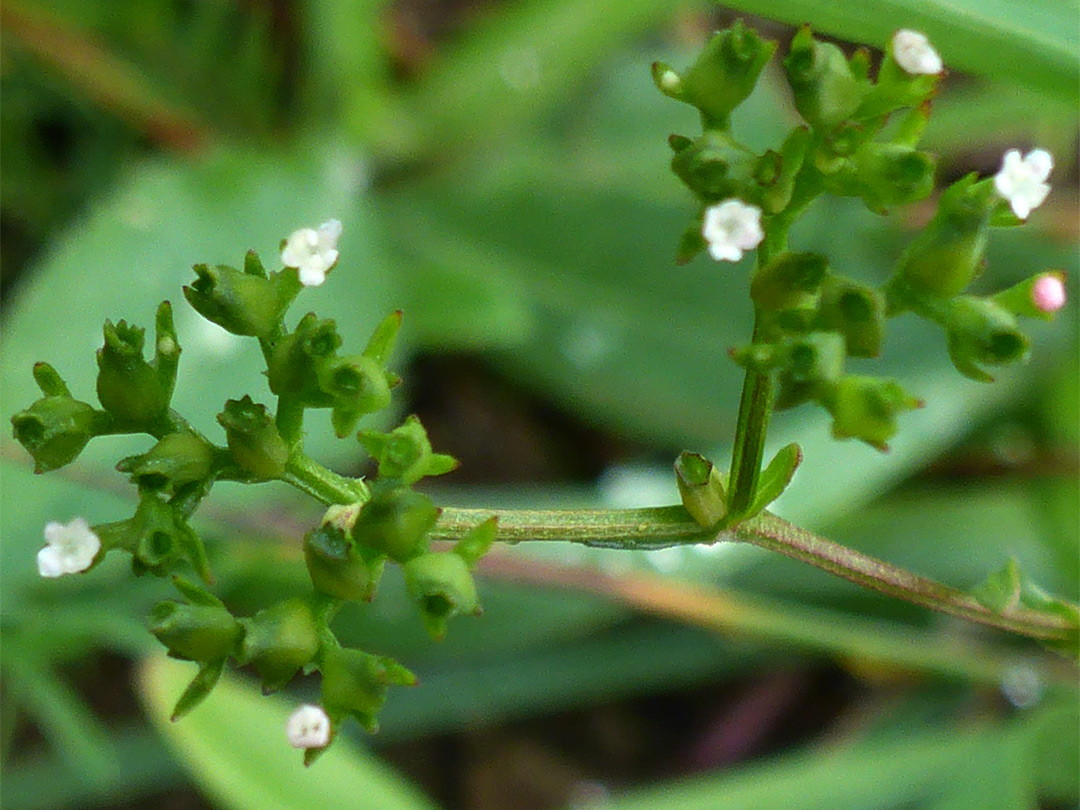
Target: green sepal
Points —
{"points": [[395, 522], [195, 632], [762, 358], [440, 583], [201, 685], [713, 168], [701, 487], [175, 461], [667, 81], [477, 542], [293, 358], [980, 331], [775, 478], [355, 683], [166, 349], [253, 265], [723, 76], [866, 408], [825, 89], [896, 88], [1018, 299], [54, 429], [254, 442], [279, 640], [817, 358], [381, 344], [405, 453], [1000, 591], [158, 537], [790, 280], [775, 191], [947, 255], [357, 385], [50, 382], [128, 387], [239, 302], [855, 311], [691, 243], [337, 567]]}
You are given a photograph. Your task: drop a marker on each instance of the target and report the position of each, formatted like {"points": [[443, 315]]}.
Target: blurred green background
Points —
{"points": [[501, 172]]}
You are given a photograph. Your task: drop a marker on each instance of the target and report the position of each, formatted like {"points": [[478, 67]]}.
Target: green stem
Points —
{"points": [[667, 526], [755, 407], [324, 485]]}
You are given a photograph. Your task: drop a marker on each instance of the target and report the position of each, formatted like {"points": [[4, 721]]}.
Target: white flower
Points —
{"points": [[1048, 292], [308, 727], [1022, 181], [730, 228], [914, 53], [70, 548], [313, 252]]}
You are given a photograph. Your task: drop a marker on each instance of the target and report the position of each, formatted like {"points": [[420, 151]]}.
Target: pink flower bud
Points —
{"points": [[1048, 292]]}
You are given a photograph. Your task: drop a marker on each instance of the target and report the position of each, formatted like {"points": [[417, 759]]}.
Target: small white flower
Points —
{"points": [[730, 228], [308, 727], [914, 53], [1022, 181], [70, 548], [1048, 293], [313, 252]]}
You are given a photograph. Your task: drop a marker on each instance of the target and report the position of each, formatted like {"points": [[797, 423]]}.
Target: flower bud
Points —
{"points": [[242, 303], [338, 568], [866, 408], [395, 522], [355, 683], [178, 459], [947, 255], [130, 388], [292, 362], [702, 489], [723, 76], [789, 281], [1040, 296], [54, 429], [278, 640], [825, 89], [981, 331], [195, 632], [443, 587], [404, 453], [855, 311], [357, 385], [254, 442]]}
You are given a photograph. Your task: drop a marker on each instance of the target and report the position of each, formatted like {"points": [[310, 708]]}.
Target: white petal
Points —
{"points": [[312, 275], [724, 252], [914, 53], [1041, 162], [54, 530], [308, 727], [329, 233], [49, 562], [299, 247]]}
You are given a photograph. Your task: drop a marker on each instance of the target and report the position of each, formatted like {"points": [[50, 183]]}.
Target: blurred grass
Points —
{"points": [[504, 180]]}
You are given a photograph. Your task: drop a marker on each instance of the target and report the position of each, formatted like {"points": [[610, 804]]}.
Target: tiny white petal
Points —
{"points": [[1022, 180], [49, 563], [313, 252], [731, 227], [70, 548], [308, 727], [914, 53]]}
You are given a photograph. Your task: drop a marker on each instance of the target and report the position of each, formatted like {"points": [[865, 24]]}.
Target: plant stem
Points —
{"points": [[667, 526], [324, 485], [755, 407]]}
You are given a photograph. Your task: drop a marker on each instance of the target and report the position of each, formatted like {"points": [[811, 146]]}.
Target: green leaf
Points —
{"points": [[1034, 44], [776, 477], [234, 746], [1000, 591]]}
